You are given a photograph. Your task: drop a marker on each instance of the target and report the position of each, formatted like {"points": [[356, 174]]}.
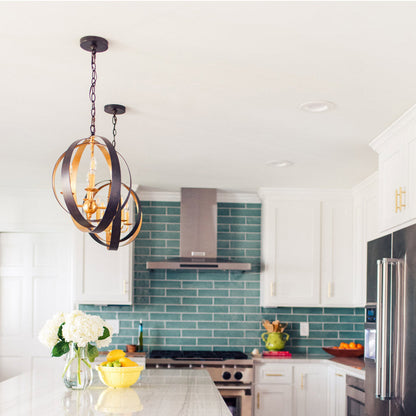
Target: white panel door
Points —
{"points": [[35, 283], [104, 277], [337, 401], [273, 400], [392, 182], [291, 253], [310, 390], [337, 256]]}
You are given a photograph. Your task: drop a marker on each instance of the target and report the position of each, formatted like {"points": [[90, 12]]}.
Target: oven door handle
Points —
{"points": [[243, 388]]}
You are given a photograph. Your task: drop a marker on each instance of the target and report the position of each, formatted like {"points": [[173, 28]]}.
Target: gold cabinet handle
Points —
{"points": [[274, 375], [258, 400], [400, 199], [273, 288], [403, 197], [339, 375], [329, 289], [301, 381], [125, 287]]}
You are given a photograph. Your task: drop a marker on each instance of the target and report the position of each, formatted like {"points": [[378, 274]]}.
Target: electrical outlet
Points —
{"points": [[115, 324], [304, 329]]}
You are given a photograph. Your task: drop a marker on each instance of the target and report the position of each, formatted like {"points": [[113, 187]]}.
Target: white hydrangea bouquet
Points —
{"points": [[76, 332]]}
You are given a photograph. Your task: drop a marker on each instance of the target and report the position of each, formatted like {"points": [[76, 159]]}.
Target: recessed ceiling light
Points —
{"points": [[317, 106], [279, 163]]}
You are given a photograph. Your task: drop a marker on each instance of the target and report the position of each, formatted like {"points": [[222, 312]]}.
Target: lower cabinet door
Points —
{"points": [[273, 400], [337, 403], [310, 390]]}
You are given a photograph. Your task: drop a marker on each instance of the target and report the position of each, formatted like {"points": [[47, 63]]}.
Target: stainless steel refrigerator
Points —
{"points": [[390, 327]]}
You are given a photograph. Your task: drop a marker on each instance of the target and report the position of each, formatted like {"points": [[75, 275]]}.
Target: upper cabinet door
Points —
{"points": [[337, 257], [291, 252], [396, 148], [394, 188], [103, 277], [366, 228]]}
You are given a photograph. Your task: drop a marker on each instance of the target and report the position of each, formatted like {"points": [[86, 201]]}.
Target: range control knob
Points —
{"points": [[226, 375], [238, 375]]}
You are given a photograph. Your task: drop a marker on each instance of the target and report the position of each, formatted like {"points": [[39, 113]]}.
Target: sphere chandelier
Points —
{"points": [[100, 206]]}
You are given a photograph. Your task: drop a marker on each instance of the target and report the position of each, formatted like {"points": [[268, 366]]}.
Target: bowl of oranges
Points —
{"points": [[345, 349], [118, 370]]}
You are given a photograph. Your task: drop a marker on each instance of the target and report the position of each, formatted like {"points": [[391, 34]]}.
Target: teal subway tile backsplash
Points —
{"points": [[214, 310]]}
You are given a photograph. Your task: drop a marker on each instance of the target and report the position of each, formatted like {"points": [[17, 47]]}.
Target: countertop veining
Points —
{"points": [[173, 392]]}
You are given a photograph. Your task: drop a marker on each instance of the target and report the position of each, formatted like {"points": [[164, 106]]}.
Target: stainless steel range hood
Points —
{"points": [[198, 235]]}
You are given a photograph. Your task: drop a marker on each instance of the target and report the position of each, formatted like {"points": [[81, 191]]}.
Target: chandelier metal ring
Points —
{"points": [[68, 172], [136, 228]]}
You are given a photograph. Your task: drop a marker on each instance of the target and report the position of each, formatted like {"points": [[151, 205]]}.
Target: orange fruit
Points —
{"points": [[353, 345], [343, 345], [126, 362], [115, 355], [360, 346]]}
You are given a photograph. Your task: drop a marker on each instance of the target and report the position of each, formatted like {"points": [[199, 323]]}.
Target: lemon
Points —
{"points": [[126, 362], [115, 355]]}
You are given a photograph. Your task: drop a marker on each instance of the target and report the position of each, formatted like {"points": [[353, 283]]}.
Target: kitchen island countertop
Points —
{"points": [[174, 392]]}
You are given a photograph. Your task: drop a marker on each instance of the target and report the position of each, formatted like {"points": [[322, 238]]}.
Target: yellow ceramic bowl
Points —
{"points": [[119, 376]]}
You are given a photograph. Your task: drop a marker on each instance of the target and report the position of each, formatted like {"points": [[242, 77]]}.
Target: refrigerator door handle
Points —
{"points": [[383, 325], [384, 356], [379, 326]]}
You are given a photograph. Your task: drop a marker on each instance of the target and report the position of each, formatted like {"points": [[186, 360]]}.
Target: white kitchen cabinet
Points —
{"points": [[273, 389], [307, 239], [366, 228], [291, 252], [272, 400], [337, 402], [310, 389], [291, 389], [336, 259], [396, 148], [103, 277]]}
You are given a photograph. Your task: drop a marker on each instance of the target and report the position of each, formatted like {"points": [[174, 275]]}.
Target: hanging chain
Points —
{"points": [[114, 128], [92, 90]]}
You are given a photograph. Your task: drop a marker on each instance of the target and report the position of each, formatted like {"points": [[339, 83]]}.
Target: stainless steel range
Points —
{"points": [[231, 371]]}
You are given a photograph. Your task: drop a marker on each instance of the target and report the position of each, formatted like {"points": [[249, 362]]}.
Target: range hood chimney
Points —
{"points": [[198, 235]]}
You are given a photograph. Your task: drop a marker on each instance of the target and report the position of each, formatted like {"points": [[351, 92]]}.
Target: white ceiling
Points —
{"points": [[212, 89]]}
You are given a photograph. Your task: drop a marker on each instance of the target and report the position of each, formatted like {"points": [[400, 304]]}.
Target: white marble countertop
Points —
{"points": [[353, 366], [159, 392]]}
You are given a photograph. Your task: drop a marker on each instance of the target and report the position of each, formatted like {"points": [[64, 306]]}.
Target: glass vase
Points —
{"points": [[78, 371]]}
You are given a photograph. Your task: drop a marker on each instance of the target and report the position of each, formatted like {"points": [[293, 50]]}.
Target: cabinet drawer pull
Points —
{"points": [[258, 400], [301, 381], [125, 287], [273, 288], [274, 375], [339, 375]]}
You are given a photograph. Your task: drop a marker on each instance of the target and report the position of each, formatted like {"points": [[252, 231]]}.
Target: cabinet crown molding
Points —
{"points": [[394, 130], [303, 193]]}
